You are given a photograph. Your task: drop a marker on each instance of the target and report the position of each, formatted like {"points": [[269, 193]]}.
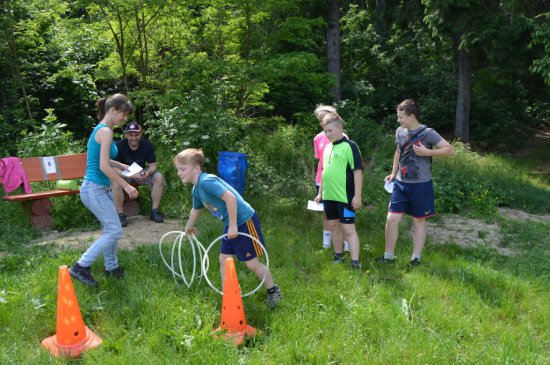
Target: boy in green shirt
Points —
{"points": [[340, 188]]}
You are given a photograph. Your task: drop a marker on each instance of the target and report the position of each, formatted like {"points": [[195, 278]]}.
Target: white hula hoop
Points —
{"points": [[204, 263], [205, 260]]}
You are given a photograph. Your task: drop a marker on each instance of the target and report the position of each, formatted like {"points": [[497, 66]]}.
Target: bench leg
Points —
{"points": [[131, 207], [40, 214]]}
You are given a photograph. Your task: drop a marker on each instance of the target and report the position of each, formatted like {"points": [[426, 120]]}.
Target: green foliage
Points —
{"points": [[296, 81], [282, 165], [371, 137], [470, 182], [196, 122], [541, 38], [49, 139], [68, 213], [15, 230]]}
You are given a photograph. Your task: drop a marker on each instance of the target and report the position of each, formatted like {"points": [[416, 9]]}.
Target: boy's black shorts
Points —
{"points": [[338, 210]]}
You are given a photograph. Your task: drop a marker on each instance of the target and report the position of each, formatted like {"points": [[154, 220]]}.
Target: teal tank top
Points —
{"points": [[93, 172]]}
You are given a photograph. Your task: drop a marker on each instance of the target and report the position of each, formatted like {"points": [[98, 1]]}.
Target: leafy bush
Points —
{"points": [[49, 139], [469, 181], [194, 123], [282, 164]]}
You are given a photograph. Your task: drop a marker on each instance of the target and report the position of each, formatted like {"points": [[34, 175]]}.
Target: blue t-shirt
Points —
{"points": [[93, 172], [207, 194]]}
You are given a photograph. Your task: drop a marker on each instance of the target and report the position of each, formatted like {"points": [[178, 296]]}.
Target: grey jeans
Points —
{"points": [[99, 200]]}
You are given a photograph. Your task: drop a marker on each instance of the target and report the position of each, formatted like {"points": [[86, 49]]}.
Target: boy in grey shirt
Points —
{"points": [[412, 176]]}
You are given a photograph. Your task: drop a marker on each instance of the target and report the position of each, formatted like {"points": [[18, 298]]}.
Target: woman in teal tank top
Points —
{"points": [[95, 191]]}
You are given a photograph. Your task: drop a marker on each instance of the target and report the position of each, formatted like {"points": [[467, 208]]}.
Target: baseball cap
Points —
{"points": [[133, 127]]}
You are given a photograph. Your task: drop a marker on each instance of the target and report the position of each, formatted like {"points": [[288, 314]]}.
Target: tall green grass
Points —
{"points": [[464, 306], [469, 181], [460, 306]]}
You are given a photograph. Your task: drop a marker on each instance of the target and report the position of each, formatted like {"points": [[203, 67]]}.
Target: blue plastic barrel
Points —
{"points": [[232, 168]]}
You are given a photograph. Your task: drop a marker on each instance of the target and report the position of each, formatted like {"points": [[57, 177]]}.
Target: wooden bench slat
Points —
{"points": [[39, 195]]}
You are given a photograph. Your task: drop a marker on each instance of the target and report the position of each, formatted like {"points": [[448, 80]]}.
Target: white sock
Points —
{"points": [[326, 237], [415, 256], [389, 256]]}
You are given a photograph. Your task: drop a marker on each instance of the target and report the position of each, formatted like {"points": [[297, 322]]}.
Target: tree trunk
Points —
{"points": [[380, 13], [462, 116], [140, 27], [333, 47]]}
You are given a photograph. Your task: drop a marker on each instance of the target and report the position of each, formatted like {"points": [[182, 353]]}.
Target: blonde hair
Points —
{"points": [[190, 156], [323, 108], [332, 118]]}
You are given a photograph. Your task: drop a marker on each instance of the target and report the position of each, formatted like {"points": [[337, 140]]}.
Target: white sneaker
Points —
{"points": [[326, 246], [346, 247]]}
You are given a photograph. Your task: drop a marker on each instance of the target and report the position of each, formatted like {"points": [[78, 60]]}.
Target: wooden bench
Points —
{"points": [[47, 169]]}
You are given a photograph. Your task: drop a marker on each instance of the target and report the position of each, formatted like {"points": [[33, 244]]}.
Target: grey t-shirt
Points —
{"points": [[413, 168]]}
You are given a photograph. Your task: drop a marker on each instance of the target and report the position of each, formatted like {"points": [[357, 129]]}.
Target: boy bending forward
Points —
{"points": [[226, 204]]}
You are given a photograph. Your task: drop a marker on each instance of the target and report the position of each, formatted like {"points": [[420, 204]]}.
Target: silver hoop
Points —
{"points": [[205, 259]]}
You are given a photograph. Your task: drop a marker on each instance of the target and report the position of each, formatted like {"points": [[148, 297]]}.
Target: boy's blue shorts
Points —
{"points": [[241, 246], [415, 199]]}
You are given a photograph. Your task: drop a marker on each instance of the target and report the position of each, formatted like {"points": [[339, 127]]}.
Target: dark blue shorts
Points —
{"points": [[241, 246], [338, 210], [414, 199]]}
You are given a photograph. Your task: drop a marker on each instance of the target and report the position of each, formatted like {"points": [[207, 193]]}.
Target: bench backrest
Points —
{"points": [[54, 167]]}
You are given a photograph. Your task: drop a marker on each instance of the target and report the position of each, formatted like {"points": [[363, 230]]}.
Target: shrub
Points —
{"points": [[196, 123], [49, 139], [282, 164]]}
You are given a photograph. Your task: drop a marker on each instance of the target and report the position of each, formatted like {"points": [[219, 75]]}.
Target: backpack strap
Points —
{"points": [[411, 140]]}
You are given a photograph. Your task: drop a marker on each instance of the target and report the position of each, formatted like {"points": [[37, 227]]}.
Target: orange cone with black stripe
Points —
{"points": [[72, 337], [233, 320]]}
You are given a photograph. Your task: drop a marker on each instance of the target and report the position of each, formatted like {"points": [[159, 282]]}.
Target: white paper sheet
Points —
{"points": [[49, 165], [388, 186], [318, 207], [132, 170]]}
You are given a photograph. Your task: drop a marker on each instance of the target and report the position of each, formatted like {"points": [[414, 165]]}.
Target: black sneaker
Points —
{"points": [[274, 297], [123, 219], [414, 262], [338, 259], [384, 260], [156, 216], [117, 273], [83, 275], [356, 265]]}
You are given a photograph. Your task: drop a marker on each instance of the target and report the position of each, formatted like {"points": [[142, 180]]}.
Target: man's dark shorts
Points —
{"points": [[415, 199], [338, 210]]}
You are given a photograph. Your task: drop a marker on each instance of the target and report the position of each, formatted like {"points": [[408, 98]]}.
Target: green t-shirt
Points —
{"points": [[340, 159]]}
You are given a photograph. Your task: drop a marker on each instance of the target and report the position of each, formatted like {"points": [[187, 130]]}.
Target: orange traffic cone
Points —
{"points": [[233, 320], [72, 337]]}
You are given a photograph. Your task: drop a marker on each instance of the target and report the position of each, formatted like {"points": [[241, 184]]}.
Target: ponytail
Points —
{"points": [[118, 101], [100, 103]]}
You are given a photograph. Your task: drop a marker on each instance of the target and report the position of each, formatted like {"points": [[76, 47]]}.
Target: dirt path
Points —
{"points": [[463, 231], [474, 232], [140, 231]]}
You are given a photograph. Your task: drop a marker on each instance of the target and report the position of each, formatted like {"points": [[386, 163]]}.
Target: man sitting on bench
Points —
{"points": [[136, 149]]}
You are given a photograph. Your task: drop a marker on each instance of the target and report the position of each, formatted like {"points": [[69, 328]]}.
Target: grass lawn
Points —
{"points": [[460, 306]]}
